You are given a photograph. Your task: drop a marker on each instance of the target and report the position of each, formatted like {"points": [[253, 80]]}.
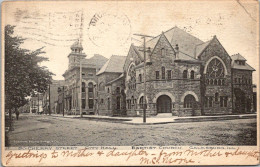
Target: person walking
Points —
{"points": [[17, 114]]}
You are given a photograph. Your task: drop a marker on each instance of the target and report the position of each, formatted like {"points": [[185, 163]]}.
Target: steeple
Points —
{"points": [[76, 54]]}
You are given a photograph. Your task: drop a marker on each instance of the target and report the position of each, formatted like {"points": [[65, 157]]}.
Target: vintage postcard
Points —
{"points": [[130, 83]]}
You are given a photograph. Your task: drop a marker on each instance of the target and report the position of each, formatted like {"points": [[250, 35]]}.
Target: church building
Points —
{"points": [[185, 76]]}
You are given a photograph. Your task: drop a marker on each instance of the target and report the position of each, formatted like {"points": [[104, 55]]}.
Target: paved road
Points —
{"points": [[42, 130]]}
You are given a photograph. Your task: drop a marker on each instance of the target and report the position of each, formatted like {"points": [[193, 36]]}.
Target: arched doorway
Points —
{"points": [[240, 103], [164, 104]]}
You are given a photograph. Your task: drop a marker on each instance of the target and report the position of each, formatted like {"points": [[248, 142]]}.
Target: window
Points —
{"points": [[157, 74], [216, 96], [223, 101], [140, 77], [192, 74], [142, 102], [83, 74], [118, 103], [102, 101], [219, 81], [235, 80], [239, 80], [206, 102], [117, 89], [90, 87], [185, 74], [83, 87], [108, 103], [210, 101], [90, 74], [83, 103], [169, 74], [101, 86], [162, 52], [108, 90], [163, 72], [90, 103], [132, 75], [215, 69], [215, 82], [189, 101]]}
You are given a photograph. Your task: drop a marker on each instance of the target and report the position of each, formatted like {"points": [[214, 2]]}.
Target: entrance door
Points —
{"points": [[240, 103], [164, 104]]}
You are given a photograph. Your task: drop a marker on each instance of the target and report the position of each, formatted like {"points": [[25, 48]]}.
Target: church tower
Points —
{"points": [[76, 55]]}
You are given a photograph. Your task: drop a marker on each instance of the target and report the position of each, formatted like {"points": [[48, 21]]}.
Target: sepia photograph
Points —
{"points": [[130, 83]]}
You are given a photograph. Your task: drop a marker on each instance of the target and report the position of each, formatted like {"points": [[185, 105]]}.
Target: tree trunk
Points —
{"points": [[10, 120]]}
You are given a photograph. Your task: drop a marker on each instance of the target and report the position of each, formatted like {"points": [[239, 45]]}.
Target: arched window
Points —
{"points": [[142, 102], [140, 77], [163, 72], [118, 89], [83, 87], [185, 74], [90, 87], [219, 81], [216, 96], [108, 90], [211, 81], [162, 52], [108, 103], [132, 75], [189, 101], [192, 74], [118, 102], [215, 82], [215, 69], [101, 86]]}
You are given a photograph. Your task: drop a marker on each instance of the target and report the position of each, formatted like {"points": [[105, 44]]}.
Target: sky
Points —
{"points": [[108, 27]]}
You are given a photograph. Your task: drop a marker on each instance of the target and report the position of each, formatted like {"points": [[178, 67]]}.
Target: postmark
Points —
{"points": [[114, 26]]}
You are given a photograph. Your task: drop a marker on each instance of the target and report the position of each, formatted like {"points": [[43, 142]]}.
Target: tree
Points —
{"points": [[23, 74]]}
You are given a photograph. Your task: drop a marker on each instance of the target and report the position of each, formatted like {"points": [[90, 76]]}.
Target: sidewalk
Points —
{"points": [[158, 120]]}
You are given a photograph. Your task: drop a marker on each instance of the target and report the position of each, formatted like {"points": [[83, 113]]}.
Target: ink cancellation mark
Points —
{"points": [[109, 29]]}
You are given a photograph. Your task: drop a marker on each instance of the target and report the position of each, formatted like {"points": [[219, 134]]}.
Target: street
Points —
{"points": [[44, 130]]}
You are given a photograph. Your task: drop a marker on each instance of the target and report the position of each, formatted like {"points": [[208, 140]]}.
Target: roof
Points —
{"points": [[186, 42], [76, 44], [97, 61], [58, 82], [238, 57], [201, 47], [110, 82], [114, 64], [240, 67]]}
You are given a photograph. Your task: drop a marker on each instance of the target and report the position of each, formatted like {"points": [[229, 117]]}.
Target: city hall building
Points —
{"points": [[184, 77]]}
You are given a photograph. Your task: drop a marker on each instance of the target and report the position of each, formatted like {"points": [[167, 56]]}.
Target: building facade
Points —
{"points": [[71, 90], [184, 77]]}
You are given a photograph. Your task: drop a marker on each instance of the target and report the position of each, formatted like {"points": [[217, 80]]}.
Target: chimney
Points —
{"points": [[177, 51]]}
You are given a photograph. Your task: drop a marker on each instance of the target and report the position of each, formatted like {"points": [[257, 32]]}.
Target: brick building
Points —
{"points": [[71, 91], [184, 76], [50, 96], [110, 90]]}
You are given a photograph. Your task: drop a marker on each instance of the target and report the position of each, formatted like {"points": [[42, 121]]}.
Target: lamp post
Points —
{"points": [[80, 88]]}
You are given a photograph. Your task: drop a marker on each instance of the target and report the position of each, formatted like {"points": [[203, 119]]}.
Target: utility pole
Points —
{"points": [[144, 50], [80, 66], [63, 105], [49, 99], [38, 103]]}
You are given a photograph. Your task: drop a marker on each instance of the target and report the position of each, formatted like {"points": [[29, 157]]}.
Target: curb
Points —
{"points": [[176, 120]]}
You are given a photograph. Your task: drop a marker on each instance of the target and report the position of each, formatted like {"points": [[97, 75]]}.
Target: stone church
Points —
{"points": [[184, 77]]}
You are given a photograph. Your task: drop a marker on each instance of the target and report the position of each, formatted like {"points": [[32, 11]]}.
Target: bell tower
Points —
{"points": [[76, 54]]}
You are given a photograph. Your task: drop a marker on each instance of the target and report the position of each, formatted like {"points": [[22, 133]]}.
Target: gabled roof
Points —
{"points": [[238, 57], [114, 64], [186, 42]]}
